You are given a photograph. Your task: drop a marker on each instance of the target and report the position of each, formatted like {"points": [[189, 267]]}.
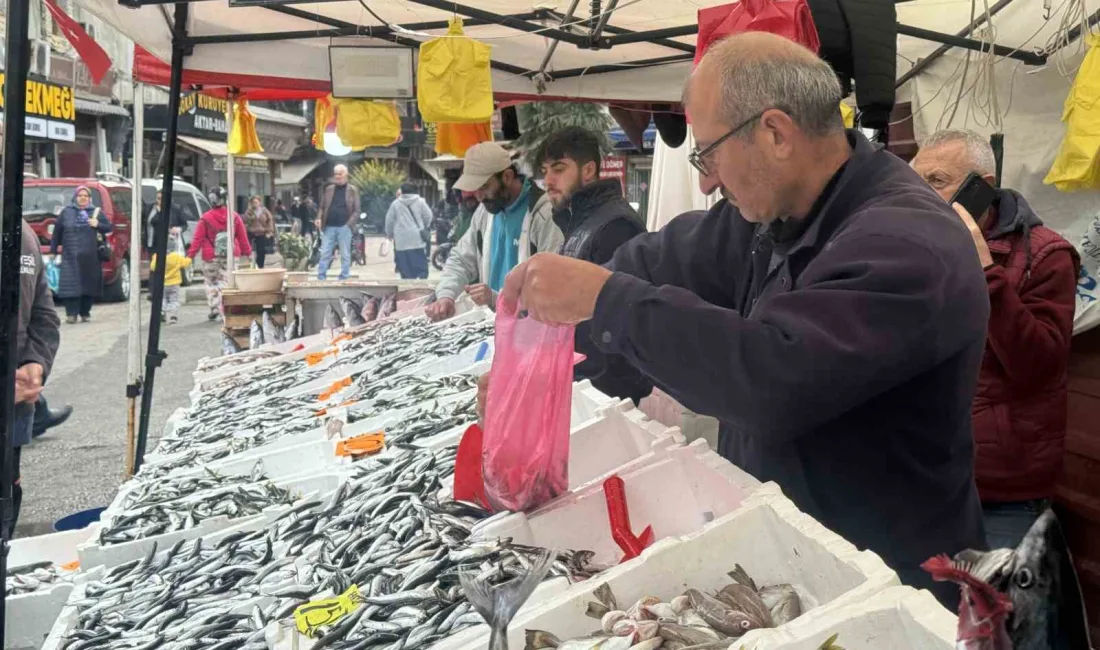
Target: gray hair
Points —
{"points": [[796, 82], [340, 167], [978, 151]]}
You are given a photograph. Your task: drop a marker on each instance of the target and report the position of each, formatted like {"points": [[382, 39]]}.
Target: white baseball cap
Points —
{"points": [[482, 161]]}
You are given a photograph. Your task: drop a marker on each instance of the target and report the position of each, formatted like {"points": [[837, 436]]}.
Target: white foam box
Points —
{"points": [[288, 351], [93, 554], [279, 464], [767, 535], [676, 495], [66, 620], [898, 618], [30, 616]]}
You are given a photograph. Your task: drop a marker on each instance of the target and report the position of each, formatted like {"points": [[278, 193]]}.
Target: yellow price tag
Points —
{"points": [[325, 613]]}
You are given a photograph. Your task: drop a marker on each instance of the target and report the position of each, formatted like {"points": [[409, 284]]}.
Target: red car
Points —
{"points": [[43, 199]]}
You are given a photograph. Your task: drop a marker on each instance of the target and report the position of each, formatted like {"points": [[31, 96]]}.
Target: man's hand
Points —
{"points": [[175, 230], [441, 309], [317, 224], [976, 234], [482, 395], [481, 294], [28, 383], [556, 289]]}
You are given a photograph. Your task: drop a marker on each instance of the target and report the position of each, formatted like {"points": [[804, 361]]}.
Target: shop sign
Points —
{"points": [[200, 116], [614, 167], [51, 111], [243, 165]]}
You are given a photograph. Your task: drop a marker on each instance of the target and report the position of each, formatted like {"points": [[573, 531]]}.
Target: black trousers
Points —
{"points": [[259, 247], [16, 490], [81, 306]]}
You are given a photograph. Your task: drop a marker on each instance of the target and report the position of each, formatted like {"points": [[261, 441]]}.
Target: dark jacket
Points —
{"points": [[841, 363], [352, 199], [81, 268], [38, 335], [175, 220], [598, 221], [1021, 407]]}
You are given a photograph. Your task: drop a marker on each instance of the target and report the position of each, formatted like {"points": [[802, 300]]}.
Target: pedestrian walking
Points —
{"points": [[212, 240], [339, 209], [78, 231], [407, 222], [261, 228], [173, 278], [36, 341]]}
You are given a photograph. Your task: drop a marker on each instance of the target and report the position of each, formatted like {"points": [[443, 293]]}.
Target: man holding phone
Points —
{"points": [[1019, 413]]}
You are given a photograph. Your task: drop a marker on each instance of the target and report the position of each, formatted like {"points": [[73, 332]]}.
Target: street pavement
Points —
{"points": [[79, 465]]}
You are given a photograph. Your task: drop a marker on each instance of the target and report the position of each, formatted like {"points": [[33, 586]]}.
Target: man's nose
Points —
{"points": [[708, 183]]}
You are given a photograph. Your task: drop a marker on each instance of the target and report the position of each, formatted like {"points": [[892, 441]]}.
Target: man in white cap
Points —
{"points": [[514, 222]]}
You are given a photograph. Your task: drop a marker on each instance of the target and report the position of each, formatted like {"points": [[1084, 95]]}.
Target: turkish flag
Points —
{"points": [[90, 52]]}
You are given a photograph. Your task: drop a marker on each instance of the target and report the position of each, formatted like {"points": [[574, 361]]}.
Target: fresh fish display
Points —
{"points": [[273, 332], [693, 620], [384, 531], [229, 344], [370, 307], [172, 504], [350, 312], [255, 335], [389, 305], [332, 318], [32, 577], [292, 328], [498, 604]]}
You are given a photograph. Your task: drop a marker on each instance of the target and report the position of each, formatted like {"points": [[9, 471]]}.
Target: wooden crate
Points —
{"points": [[243, 307]]}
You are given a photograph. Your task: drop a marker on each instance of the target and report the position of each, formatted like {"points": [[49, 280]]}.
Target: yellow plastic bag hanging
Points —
{"points": [[454, 82], [362, 123], [323, 112], [242, 137], [455, 139], [1077, 165], [848, 114]]}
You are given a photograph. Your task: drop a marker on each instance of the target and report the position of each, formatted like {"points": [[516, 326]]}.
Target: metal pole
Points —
{"points": [[923, 63], [554, 43], [1029, 58], [230, 209], [153, 354], [11, 245], [133, 370]]}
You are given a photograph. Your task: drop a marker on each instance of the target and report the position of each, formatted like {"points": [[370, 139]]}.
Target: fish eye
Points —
{"points": [[1024, 578], [745, 625]]}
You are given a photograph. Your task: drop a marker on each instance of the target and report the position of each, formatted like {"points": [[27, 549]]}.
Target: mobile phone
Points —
{"points": [[975, 194]]}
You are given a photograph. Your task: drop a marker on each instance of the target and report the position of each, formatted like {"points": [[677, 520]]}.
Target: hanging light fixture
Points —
{"points": [[334, 146]]}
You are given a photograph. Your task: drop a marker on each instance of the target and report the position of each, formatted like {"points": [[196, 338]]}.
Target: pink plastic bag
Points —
{"points": [[525, 452]]}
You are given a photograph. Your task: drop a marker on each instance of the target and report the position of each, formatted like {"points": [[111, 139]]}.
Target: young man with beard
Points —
{"points": [[595, 219], [514, 222]]}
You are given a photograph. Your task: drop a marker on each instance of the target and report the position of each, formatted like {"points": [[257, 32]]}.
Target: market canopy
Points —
{"points": [[641, 52]]}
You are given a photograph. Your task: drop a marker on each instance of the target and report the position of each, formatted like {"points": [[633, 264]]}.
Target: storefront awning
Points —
{"points": [[214, 147], [292, 173], [99, 108]]}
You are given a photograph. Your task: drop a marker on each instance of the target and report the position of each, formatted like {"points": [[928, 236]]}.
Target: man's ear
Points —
{"points": [[991, 179], [590, 172]]}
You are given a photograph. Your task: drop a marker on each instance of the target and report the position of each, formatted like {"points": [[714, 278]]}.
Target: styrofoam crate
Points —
{"points": [[30, 616], [898, 618], [66, 620], [587, 401], [677, 495], [767, 535], [92, 554], [282, 463]]}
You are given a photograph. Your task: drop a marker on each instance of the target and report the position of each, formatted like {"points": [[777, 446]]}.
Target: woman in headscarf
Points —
{"points": [[76, 230]]}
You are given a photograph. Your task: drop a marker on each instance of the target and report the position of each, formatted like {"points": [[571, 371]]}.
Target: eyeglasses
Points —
{"points": [[698, 157]]}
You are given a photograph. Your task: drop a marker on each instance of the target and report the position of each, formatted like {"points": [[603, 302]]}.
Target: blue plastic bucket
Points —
{"points": [[78, 520]]}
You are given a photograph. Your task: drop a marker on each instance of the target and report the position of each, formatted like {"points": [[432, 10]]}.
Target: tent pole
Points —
{"points": [[231, 203], [133, 370], [922, 64], [153, 354], [11, 245], [554, 43]]}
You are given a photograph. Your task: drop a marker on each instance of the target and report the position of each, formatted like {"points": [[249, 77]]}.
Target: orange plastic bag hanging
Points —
{"points": [[323, 114], [455, 139], [242, 137], [454, 81]]}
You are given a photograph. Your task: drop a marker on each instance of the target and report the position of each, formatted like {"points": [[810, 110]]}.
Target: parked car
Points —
{"points": [[186, 198], [43, 199]]}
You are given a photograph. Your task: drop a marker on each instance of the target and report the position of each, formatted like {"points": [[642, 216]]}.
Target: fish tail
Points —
{"points": [[499, 604]]}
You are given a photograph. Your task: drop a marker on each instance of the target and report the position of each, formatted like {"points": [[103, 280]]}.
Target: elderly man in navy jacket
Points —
{"points": [[834, 321]]}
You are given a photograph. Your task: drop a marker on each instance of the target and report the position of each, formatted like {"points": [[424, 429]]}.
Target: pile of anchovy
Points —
{"points": [[167, 505], [32, 577], [431, 420], [384, 531]]}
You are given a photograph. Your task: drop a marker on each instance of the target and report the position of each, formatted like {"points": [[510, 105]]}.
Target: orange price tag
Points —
{"points": [[71, 566], [342, 337], [364, 445], [314, 358], [336, 387]]}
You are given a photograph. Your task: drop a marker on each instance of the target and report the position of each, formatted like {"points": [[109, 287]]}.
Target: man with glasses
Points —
{"points": [[515, 221], [832, 315]]}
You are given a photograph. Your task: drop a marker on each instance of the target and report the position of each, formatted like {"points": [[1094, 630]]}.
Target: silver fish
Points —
{"points": [[255, 335], [292, 328], [389, 305], [273, 332], [350, 310], [370, 307], [229, 344], [332, 318]]}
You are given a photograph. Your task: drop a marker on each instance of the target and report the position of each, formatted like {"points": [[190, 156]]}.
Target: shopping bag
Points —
{"points": [[454, 81], [1077, 165], [242, 137], [455, 139], [787, 18], [53, 275], [525, 448], [362, 123]]}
